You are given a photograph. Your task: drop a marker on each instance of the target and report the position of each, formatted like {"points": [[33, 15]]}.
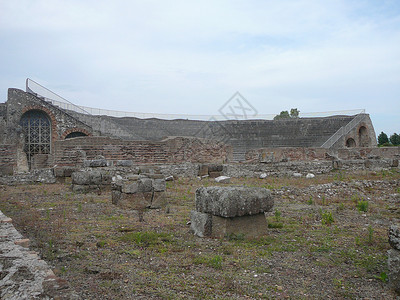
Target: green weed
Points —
{"points": [[327, 218], [213, 261], [362, 206], [146, 238], [382, 277]]}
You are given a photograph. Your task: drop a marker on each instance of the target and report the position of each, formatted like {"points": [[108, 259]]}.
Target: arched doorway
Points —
{"points": [[37, 130], [363, 137], [75, 134], [350, 143]]}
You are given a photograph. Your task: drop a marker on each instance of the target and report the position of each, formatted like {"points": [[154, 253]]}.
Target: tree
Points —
{"points": [[283, 115], [395, 139], [294, 113], [382, 139]]}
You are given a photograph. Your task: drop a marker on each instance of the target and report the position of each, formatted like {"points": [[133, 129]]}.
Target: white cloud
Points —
{"points": [[191, 56]]}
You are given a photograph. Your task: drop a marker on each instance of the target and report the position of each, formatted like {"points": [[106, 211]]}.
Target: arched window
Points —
{"points": [[75, 134], [37, 129], [350, 143]]}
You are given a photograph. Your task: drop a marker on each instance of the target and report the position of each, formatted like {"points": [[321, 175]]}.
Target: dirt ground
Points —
{"points": [[327, 239]]}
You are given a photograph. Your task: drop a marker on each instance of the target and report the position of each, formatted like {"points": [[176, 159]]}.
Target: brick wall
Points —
{"points": [[73, 151], [7, 159]]}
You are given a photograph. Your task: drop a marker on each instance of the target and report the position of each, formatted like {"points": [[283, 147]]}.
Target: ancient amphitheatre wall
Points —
{"points": [[72, 152]]}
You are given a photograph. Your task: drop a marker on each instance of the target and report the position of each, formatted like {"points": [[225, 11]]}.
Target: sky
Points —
{"points": [[190, 57]]}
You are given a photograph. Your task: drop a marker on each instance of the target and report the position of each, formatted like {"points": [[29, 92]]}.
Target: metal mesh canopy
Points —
{"points": [[37, 129]]}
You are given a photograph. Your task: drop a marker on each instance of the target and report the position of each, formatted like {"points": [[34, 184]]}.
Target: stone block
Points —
{"points": [[200, 223], [135, 201], [68, 171], [154, 176], [159, 200], [79, 188], [6, 170], [95, 163], [132, 177], [394, 237], [233, 201], [106, 179], [248, 226], [215, 168], [95, 177], [145, 185], [59, 172], [394, 269], [130, 187], [159, 185], [81, 178], [215, 174], [203, 170], [394, 163], [115, 196], [124, 163]]}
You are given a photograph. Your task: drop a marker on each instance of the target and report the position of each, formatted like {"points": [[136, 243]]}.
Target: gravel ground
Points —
{"points": [[327, 239]]}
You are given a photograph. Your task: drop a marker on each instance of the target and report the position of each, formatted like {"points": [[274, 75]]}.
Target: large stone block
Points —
{"points": [[135, 201], [159, 185], [95, 177], [248, 226], [233, 201], [394, 269], [394, 237], [145, 185], [81, 178], [203, 170], [159, 200], [200, 223], [130, 187]]}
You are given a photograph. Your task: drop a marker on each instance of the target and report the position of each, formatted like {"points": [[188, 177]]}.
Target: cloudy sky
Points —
{"points": [[190, 57]]}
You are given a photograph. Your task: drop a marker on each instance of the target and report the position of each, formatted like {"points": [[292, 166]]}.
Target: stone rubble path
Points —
{"points": [[23, 275]]}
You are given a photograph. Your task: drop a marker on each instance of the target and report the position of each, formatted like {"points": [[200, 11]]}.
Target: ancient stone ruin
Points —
{"points": [[224, 211], [139, 191], [394, 258]]}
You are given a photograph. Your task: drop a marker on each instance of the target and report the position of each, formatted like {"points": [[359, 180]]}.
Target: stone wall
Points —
{"points": [[241, 135], [74, 151], [266, 155]]}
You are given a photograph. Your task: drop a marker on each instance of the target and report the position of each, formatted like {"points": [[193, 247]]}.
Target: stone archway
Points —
{"points": [[350, 143], [363, 137], [36, 126]]}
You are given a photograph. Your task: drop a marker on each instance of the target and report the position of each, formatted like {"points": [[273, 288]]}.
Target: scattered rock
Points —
{"points": [[223, 179], [169, 178], [297, 175]]}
